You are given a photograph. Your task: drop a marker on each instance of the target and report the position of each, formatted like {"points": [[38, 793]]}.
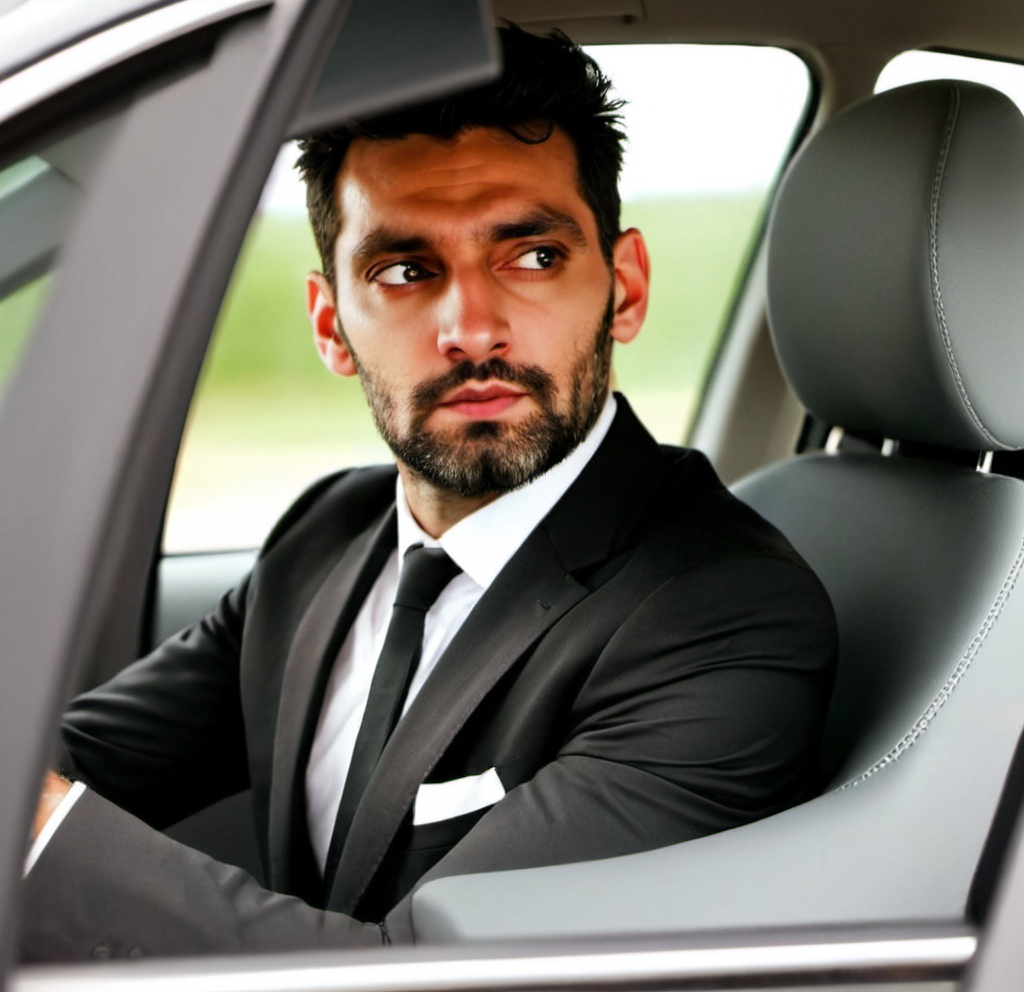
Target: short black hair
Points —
{"points": [[546, 80]]}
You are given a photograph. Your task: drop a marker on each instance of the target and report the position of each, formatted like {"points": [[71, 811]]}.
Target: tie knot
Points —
{"points": [[425, 572]]}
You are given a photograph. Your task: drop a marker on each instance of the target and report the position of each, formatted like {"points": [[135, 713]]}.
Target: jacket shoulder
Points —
{"points": [[714, 521], [338, 505]]}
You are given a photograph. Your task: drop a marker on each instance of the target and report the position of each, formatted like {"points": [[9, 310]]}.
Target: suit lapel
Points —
{"points": [[501, 628], [591, 523], [318, 639]]}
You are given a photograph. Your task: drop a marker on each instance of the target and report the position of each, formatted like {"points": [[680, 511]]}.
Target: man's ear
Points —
{"points": [[323, 315], [632, 271]]}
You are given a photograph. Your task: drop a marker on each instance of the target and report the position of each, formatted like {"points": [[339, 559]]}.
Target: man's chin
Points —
{"points": [[485, 457], [484, 430]]}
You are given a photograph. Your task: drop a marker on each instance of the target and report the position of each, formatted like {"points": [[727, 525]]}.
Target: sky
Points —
{"points": [[710, 118]]}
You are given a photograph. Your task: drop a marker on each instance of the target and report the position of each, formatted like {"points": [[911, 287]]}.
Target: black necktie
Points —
{"points": [[425, 572]]}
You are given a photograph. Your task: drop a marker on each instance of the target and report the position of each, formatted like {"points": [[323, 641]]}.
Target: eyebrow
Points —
{"points": [[540, 222], [537, 224], [386, 242]]}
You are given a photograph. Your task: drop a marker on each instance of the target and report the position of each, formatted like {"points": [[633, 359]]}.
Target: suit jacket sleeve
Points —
{"points": [[165, 737], [109, 886]]}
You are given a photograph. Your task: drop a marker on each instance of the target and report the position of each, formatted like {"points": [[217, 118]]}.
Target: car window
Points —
{"points": [[912, 67], [39, 195], [34, 201], [708, 126], [18, 313]]}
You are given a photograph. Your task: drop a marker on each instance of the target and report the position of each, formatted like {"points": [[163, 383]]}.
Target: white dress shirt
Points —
{"points": [[481, 545]]}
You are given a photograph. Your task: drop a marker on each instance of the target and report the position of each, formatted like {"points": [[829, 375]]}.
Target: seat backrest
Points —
{"points": [[920, 559], [897, 307], [896, 302]]}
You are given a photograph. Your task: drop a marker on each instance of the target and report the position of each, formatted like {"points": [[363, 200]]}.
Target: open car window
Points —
{"points": [[40, 193], [268, 419], [913, 67]]}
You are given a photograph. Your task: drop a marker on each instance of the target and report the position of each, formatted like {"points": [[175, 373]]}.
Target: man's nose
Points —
{"points": [[472, 324]]}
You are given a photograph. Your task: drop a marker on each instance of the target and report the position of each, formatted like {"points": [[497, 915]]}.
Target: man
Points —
{"points": [[614, 653]]}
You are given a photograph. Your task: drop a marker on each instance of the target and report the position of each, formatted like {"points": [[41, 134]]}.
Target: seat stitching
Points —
{"points": [[933, 241], [923, 722]]}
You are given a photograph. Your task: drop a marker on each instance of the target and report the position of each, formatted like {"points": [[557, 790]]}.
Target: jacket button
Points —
{"points": [[101, 951]]}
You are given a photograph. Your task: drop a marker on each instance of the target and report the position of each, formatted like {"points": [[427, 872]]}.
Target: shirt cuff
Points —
{"points": [[50, 827]]}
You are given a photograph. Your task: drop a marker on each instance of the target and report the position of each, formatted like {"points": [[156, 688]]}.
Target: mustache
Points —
{"points": [[530, 377]]}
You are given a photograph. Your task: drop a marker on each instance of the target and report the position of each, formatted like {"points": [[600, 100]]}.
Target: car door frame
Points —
{"points": [[77, 532]]}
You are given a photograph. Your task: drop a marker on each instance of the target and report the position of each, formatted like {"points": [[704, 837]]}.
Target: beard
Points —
{"points": [[488, 457]]}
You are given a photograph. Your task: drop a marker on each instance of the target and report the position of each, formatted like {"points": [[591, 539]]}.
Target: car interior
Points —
{"points": [[862, 394]]}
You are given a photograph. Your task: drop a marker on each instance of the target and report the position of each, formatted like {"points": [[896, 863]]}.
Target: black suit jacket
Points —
{"points": [[652, 665]]}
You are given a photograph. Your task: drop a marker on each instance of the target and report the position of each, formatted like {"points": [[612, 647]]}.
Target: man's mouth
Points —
{"points": [[482, 401]]}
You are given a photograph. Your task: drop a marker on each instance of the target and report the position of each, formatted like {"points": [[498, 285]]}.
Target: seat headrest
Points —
{"points": [[896, 268]]}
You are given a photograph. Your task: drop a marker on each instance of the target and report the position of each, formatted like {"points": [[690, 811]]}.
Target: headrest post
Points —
{"points": [[890, 447], [834, 441], [985, 462]]}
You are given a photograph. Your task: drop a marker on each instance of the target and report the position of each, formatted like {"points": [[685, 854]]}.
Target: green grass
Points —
{"points": [[263, 335], [698, 247], [18, 313]]}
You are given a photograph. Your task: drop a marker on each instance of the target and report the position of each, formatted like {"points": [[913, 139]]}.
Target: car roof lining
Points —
{"points": [[36, 28], [846, 43], [990, 26]]}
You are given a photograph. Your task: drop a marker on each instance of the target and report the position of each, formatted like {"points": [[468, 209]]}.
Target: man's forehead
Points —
{"points": [[480, 162]]}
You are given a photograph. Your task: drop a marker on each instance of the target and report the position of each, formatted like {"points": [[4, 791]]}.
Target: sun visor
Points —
{"points": [[392, 53]]}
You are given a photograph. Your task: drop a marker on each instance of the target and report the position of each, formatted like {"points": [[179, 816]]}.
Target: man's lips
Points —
{"points": [[483, 401]]}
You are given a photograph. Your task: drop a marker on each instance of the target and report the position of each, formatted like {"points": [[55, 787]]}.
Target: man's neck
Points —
{"points": [[434, 509]]}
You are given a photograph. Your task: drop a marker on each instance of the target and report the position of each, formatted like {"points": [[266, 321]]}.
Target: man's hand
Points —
{"points": [[55, 788]]}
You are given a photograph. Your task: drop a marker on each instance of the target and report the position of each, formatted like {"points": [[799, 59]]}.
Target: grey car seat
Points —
{"points": [[896, 301]]}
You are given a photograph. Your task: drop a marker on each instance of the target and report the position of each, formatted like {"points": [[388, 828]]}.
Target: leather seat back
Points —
{"points": [[896, 306], [920, 559]]}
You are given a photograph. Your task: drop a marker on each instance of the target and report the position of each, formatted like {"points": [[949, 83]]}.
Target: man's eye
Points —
{"points": [[402, 274], [538, 258]]}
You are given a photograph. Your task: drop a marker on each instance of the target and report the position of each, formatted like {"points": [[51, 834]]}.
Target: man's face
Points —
{"points": [[475, 304]]}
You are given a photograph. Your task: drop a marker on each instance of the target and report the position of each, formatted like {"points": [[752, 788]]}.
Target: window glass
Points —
{"points": [[18, 313], [35, 205], [913, 67], [708, 130]]}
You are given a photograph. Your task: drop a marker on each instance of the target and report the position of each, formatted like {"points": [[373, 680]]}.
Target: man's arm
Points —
{"points": [[165, 737], [109, 886]]}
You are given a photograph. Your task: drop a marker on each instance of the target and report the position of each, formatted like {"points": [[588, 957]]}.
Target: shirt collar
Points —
{"points": [[482, 543]]}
